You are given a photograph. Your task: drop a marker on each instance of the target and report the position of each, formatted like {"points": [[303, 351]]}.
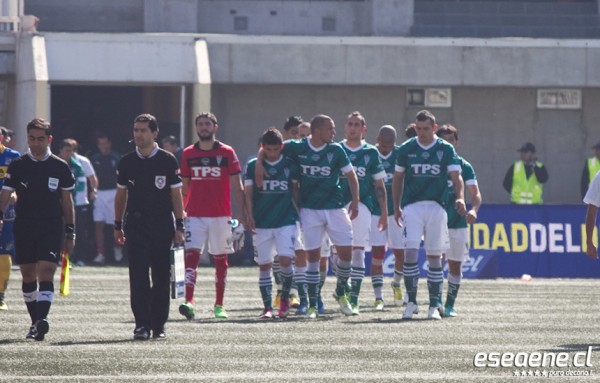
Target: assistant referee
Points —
{"points": [[148, 195]]}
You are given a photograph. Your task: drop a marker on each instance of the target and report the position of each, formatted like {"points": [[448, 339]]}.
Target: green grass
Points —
{"points": [[90, 338]]}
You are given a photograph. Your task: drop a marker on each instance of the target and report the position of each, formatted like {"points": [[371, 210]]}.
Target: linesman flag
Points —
{"points": [[65, 277]]}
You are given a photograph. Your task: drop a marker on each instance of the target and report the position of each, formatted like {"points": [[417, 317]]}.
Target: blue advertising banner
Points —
{"points": [[545, 241]]}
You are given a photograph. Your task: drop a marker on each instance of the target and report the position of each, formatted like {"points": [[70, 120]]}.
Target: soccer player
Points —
{"points": [[393, 236], [273, 216], [419, 190], [7, 239], [371, 175], [322, 204], [210, 171], [592, 199], [457, 224], [105, 164], [148, 197], [43, 184]]}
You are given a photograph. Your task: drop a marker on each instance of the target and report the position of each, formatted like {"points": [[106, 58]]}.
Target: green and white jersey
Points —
{"points": [[389, 166], [426, 170], [368, 168], [456, 221], [319, 173], [272, 205]]}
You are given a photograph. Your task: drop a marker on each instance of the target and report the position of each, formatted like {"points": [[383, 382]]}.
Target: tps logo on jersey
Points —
{"points": [[424, 169], [205, 171], [316, 170], [160, 182], [272, 185]]}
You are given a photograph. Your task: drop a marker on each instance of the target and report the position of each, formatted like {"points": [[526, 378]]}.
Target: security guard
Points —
{"points": [[525, 178], [148, 194]]}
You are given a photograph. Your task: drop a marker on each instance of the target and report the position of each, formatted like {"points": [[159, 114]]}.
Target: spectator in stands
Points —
{"points": [[525, 178], [170, 144], [592, 166]]}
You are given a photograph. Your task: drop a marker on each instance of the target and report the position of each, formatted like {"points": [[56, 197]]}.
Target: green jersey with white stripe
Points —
{"points": [[426, 170], [456, 221], [389, 166], [320, 170], [272, 204], [368, 168]]}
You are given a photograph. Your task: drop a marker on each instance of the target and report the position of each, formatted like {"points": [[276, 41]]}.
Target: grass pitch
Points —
{"points": [[90, 338]]}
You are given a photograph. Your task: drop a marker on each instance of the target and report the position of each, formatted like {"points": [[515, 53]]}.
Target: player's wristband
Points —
{"points": [[118, 225], [179, 224], [69, 228]]}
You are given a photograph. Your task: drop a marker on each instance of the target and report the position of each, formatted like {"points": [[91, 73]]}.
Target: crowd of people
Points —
{"points": [[308, 201]]}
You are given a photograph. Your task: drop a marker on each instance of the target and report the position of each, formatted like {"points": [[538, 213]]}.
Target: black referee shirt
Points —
{"points": [[149, 181], [38, 185], [105, 168]]}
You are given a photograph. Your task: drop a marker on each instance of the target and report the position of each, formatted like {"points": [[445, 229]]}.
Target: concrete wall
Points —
{"points": [[493, 123]]}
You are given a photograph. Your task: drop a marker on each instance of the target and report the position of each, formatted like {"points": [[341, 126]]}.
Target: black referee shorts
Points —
{"points": [[37, 240]]}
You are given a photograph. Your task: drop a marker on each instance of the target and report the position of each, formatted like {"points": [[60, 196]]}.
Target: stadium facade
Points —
{"points": [[93, 66]]}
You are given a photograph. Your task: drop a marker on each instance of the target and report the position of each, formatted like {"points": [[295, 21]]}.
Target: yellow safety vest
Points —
{"points": [[525, 191], [593, 168]]}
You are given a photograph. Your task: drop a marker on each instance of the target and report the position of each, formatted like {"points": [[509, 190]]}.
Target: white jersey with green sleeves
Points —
{"points": [[272, 204], [320, 170], [456, 221], [389, 166], [368, 168], [426, 170]]}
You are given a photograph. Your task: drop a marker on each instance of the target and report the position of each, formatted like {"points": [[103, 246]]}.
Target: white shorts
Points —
{"points": [[104, 206], [334, 222], [428, 219], [326, 247], [393, 237], [215, 230], [459, 245], [361, 226], [280, 241], [299, 244]]}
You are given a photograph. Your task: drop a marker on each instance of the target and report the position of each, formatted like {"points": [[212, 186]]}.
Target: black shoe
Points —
{"points": [[32, 333], [141, 333], [41, 329], [159, 334]]}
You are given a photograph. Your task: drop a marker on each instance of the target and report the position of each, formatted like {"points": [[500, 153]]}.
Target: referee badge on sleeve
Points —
{"points": [[160, 182], [52, 183]]}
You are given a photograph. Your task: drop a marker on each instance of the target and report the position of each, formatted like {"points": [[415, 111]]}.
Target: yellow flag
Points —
{"points": [[65, 279]]}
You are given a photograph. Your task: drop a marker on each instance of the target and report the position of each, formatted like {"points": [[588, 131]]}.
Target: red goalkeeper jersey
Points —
{"points": [[209, 171]]}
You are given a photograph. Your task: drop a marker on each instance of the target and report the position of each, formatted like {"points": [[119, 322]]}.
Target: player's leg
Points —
{"points": [[339, 229], [277, 277], [264, 245], [140, 254], [413, 230], [161, 282], [300, 279], [313, 229], [361, 228], [109, 220], [436, 242], [397, 242], [378, 240], [285, 239], [195, 236], [5, 265], [323, 269], [219, 231], [100, 210], [458, 252]]}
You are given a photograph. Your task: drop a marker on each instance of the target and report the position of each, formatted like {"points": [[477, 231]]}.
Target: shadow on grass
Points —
{"points": [[256, 320], [11, 341], [86, 342], [574, 347], [388, 321]]}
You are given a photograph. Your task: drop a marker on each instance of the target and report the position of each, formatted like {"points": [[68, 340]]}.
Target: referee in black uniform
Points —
{"points": [[148, 195], [43, 183]]}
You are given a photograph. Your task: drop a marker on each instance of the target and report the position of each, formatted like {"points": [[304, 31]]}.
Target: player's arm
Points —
{"points": [[237, 189], [4, 200], [397, 191], [353, 185], [459, 190], [249, 195], [68, 209], [296, 195], [93, 180], [120, 202], [590, 224], [185, 181], [476, 200], [381, 195]]}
